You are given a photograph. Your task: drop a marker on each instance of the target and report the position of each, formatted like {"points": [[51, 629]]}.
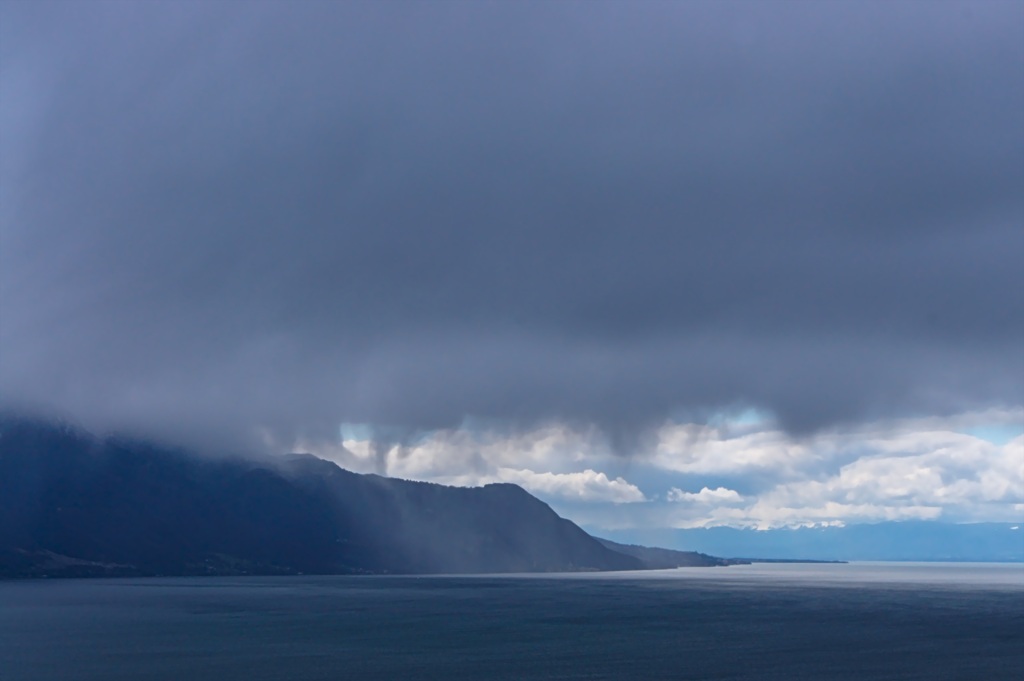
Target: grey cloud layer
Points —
{"points": [[222, 215]]}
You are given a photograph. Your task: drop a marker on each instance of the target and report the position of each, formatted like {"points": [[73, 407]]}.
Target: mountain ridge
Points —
{"points": [[73, 504]]}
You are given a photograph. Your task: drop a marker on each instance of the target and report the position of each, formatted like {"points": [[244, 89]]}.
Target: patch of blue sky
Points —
{"points": [[360, 432], [748, 417], [737, 416], [997, 434]]}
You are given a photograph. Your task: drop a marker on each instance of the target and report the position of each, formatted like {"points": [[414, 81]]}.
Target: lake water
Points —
{"points": [[858, 621]]}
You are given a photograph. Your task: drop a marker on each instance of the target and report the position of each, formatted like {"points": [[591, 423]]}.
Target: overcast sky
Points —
{"points": [[244, 224]]}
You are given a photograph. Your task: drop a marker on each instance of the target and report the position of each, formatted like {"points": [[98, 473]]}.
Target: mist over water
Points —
{"points": [[861, 574], [858, 621]]}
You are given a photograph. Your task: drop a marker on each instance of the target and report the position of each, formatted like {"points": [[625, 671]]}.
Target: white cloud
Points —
{"points": [[893, 474], [587, 485], [553, 461], [719, 495], [895, 470], [708, 450]]}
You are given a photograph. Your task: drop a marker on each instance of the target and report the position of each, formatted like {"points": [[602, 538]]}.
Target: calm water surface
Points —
{"points": [[857, 621]]}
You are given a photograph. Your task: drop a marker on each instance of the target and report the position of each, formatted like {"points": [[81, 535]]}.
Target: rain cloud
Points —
{"points": [[220, 219]]}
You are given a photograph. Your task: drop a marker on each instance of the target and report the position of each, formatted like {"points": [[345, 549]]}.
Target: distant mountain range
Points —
{"points": [[925, 540], [72, 504]]}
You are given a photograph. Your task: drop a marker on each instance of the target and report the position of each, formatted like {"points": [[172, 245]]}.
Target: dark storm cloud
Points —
{"points": [[223, 215]]}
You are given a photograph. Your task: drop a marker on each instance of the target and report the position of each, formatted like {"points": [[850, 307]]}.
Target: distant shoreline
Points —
{"points": [[749, 561]]}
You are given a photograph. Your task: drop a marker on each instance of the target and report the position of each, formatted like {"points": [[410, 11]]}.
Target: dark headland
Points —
{"points": [[76, 505]]}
